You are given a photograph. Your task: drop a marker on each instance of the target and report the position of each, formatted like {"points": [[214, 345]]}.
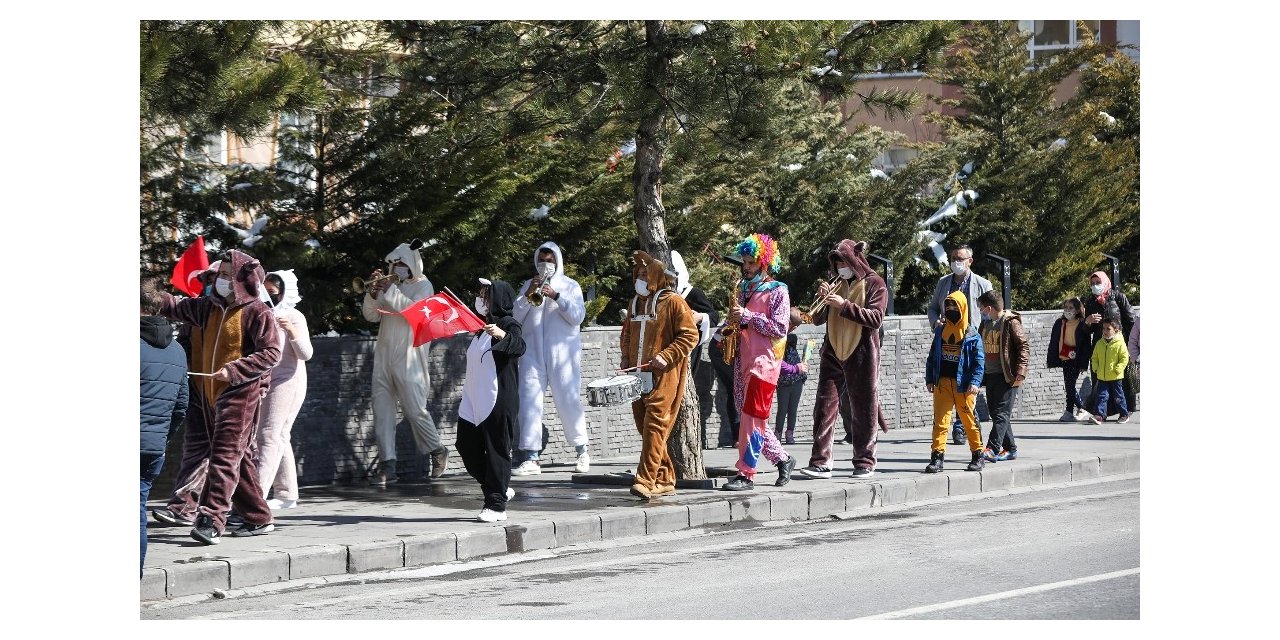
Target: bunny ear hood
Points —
{"points": [[408, 256], [289, 297], [682, 273]]}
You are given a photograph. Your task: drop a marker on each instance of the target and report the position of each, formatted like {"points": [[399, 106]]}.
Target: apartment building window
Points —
{"points": [[295, 151], [1050, 36], [211, 149]]}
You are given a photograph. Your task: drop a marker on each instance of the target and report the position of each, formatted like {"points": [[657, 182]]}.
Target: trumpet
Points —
{"points": [[360, 285], [819, 301], [535, 293]]}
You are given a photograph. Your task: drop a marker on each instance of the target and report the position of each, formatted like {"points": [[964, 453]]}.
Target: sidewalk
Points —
{"points": [[351, 529]]}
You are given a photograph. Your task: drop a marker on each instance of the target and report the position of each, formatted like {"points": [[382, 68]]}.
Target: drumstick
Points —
{"points": [[638, 368]]}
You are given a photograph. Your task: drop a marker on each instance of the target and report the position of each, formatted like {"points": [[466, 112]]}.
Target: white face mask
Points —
{"points": [[1097, 289], [546, 269], [1068, 314], [481, 307], [222, 287], [845, 272], [642, 288], [402, 272], [958, 267]]}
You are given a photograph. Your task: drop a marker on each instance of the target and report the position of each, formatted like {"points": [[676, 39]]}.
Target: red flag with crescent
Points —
{"points": [[439, 316], [193, 261]]}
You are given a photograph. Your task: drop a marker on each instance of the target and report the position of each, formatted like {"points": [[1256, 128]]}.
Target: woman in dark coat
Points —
{"points": [[490, 398], [1069, 348], [1105, 302]]}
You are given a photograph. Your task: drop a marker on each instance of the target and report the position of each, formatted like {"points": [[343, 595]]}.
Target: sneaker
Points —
{"points": [[935, 462], [976, 463], [583, 462], [489, 515], [1067, 416], [386, 474], [439, 460], [784, 471], [276, 504], [990, 456], [1097, 419], [957, 435], [247, 529], [816, 472], [1078, 413], [1122, 419], [863, 472], [640, 491], [791, 438], [167, 516], [234, 520], [1009, 454], [527, 468], [847, 440], [739, 483], [204, 530], [511, 493]]}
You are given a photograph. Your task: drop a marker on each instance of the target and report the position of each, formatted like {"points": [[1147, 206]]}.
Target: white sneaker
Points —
{"points": [[583, 463], [511, 493], [489, 515], [527, 468], [276, 504]]}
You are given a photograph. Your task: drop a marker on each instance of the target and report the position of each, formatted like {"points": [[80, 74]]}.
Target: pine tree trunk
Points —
{"points": [[685, 442]]}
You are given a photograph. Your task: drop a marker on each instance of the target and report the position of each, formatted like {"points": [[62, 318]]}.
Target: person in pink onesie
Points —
{"points": [[761, 312], [276, 468]]}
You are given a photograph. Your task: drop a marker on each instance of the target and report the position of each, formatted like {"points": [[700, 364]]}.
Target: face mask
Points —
{"points": [[952, 316], [546, 269], [275, 298], [958, 267], [222, 286], [402, 273], [1068, 314], [642, 288], [1097, 289], [845, 272], [481, 307]]}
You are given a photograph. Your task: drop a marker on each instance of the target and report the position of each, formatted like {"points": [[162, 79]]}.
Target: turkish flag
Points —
{"points": [[193, 260], [438, 316]]}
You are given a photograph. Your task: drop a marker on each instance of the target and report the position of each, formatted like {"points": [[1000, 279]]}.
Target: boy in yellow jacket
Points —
{"points": [[1110, 357]]}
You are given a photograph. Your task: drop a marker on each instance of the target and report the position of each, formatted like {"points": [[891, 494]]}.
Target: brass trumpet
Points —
{"points": [[360, 285], [819, 301], [535, 294]]}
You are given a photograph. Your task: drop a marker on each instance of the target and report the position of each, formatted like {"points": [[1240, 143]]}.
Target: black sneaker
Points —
{"points": [[863, 472], [957, 435], [935, 462], [816, 472], [784, 471], [205, 531], [740, 483], [253, 529], [976, 463], [167, 516]]}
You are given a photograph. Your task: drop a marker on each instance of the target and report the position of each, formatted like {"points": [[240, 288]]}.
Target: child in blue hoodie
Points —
{"points": [[952, 374]]}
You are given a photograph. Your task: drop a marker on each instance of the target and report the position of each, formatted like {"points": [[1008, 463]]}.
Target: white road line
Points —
{"points": [[942, 606]]}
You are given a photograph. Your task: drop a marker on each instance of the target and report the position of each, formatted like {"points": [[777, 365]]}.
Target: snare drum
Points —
{"points": [[613, 391]]}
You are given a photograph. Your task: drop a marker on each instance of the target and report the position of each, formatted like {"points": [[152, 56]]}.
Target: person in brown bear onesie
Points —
{"points": [[234, 345], [850, 356], [658, 334]]}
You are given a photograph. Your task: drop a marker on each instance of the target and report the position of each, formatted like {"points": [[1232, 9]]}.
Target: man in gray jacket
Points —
{"points": [[972, 285]]}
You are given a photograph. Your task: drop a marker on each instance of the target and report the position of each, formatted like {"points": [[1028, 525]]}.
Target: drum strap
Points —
{"points": [[644, 320]]}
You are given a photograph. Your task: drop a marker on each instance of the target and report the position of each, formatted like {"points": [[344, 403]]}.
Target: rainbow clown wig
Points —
{"points": [[763, 248]]}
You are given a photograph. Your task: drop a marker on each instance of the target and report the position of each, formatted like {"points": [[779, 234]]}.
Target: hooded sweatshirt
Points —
{"points": [[163, 393], [493, 367], [956, 342], [293, 353]]}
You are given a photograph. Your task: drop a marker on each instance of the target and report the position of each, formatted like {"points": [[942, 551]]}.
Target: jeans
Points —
{"points": [[1111, 389], [1002, 397], [788, 406], [1070, 376], [151, 465], [730, 421]]}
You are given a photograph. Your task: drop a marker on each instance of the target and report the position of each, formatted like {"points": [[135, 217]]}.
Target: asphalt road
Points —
{"points": [[1060, 553]]}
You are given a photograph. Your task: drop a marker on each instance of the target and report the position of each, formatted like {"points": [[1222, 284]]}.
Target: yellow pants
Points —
{"points": [[945, 398]]}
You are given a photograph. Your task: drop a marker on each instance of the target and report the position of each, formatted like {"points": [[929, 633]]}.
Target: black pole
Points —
{"points": [[1115, 270], [888, 277], [1007, 288]]}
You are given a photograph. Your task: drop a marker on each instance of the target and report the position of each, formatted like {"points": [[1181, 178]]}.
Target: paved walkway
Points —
{"points": [[349, 529]]}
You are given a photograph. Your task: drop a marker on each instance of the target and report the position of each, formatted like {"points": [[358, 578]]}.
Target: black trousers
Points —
{"points": [[729, 419], [486, 453], [1000, 399]]}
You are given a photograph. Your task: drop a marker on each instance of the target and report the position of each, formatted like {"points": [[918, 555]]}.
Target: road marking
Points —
{"points": [[942, 606]]}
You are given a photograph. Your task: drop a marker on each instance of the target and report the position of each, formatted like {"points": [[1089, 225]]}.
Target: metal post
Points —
{"points": [[1115, 270], [1007, 288], [888, 277]]}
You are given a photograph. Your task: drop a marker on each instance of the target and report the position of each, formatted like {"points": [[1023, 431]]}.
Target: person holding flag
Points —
{"points": [[399, 365]]}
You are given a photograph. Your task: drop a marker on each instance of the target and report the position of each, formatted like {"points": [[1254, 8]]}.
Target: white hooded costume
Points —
{"points": [[399, 368], [683, 287], [276, 467], [553, 355]]}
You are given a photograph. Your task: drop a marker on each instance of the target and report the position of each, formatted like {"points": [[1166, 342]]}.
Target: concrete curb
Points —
{"points": [[202, 577]]}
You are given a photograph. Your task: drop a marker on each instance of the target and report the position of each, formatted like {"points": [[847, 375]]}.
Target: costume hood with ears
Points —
{"points": [[652, 270], [682, 273], [409, 256], [289, 297], [854, 254], [502, 300], [247, 278]]}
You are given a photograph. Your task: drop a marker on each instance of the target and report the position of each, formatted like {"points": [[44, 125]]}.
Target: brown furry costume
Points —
{"points": [[242, 337], [672, 334], [851, 353]]}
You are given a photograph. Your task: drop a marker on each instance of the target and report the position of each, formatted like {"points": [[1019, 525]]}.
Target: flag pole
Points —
{"points": [[462, 304]]}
